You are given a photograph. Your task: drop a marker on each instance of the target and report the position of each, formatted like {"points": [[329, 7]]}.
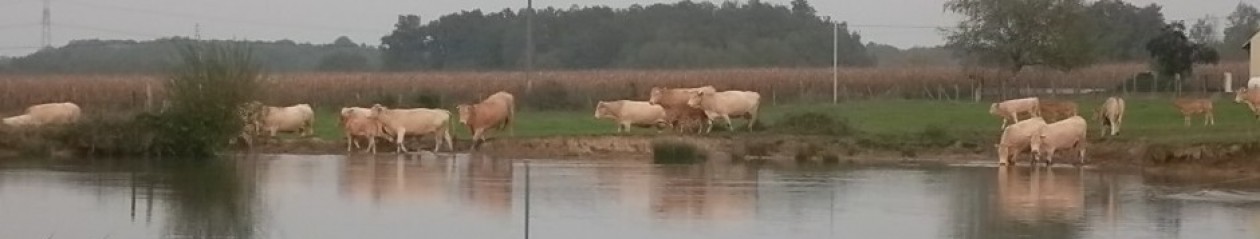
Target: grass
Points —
{"points": [[1147, 118]]}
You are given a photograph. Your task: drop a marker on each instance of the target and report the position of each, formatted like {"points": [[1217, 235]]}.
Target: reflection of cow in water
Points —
{"points": [[482, 182], [1037, 194], [714, 194]]}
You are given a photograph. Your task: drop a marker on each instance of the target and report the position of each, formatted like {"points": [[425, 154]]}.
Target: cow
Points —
{"points": [[357, 122], [1009, 110], [1251, 98], [1067, 133], [497, 110], [686, 119], [400, 123], [1055, 110], [1190, 107], [298, 118], [725, 104], [679, 115], [629, 113], [1017, 139], [50, 114], [1111, 115]]}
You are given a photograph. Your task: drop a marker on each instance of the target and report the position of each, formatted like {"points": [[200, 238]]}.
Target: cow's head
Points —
{"points": [[602, 111], [465, 112], [655, 96], [697, 97], [993, 108], [1240, 95], [1036, 145]]}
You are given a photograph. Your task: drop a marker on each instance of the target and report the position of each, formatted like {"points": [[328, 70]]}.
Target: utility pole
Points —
{"points": [[529, 46], [197, 31], [45, 37], [835, 61]]}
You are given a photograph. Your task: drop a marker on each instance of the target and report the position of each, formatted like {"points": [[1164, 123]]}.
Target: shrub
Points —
{"points": [[205, 92], [676, 152], [815, 123]]}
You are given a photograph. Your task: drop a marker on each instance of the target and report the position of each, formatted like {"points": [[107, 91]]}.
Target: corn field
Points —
{"points": [[579, 89]]}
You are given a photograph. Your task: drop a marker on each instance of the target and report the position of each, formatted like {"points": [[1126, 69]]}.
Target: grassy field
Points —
{"points": [[1148, 118]]}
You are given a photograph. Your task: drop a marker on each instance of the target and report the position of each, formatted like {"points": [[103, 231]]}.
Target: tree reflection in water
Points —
{"points": [[210, 198]]}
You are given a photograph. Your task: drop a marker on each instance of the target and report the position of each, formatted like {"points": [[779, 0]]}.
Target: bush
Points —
{"points": [[205, 90], [814, 123], [676, 152]]}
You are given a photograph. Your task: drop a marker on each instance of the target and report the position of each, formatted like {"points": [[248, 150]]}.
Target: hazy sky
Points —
{"points": [[319, 21]]}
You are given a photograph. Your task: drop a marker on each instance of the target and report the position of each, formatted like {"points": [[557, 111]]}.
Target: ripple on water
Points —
{"points": [[1217, 196]]}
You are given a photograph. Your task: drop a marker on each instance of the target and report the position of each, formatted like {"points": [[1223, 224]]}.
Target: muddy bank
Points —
{"points": [[1229, 158]]}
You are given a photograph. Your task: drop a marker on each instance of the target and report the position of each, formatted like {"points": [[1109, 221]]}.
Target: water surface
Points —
{"points": [[288, 196]]}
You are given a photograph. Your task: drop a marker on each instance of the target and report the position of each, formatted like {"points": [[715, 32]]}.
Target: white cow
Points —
{"points": [[629, 113], [400, 123], [1009, 110], [1017, 139], [1064, 134], [724, 105], [298, 118], [46, 114], [1111, 114]]}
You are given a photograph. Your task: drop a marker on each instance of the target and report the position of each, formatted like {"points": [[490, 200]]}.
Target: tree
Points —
{"points": [[1120, 28], [1243, 23], [344, 41], [343, 61], [1015, 34], [685, 34], [1174, 54], [1204, 31]]}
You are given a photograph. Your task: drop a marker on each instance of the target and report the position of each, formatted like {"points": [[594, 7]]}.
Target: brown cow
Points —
{"points": [[679, 115], [1056, 110], [495, 111], [1251, 98], [1190, 107]]}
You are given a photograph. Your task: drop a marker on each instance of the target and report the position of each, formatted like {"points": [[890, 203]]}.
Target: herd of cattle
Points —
{"points": [[1055, 125], [1047, 125]]}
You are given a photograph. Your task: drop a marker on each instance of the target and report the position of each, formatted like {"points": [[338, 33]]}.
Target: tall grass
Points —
{"points": [[569, 89]]}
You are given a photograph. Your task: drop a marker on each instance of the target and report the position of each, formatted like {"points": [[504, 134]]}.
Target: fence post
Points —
{"points": [[148, 97], [1228, 84]]}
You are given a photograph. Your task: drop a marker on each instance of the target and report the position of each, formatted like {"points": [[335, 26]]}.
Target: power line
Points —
{"points": [[18, 25], [107, 30], [222, 19]]}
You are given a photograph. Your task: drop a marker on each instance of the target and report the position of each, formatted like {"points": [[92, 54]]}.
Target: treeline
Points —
{"points": [[128, 56], [679, 35]]}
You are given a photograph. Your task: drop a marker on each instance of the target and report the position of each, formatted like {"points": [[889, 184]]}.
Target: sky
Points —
{"points": [[901, 23]]}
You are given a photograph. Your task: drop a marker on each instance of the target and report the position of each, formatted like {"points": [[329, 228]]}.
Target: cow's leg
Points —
{"points": [[437, 141], [349, 143], [476, 139], [446, 131], [1049, 158], [1187, 119], [400, 135], [729, 126], [1082, 148], [371, 144], [1211, 118]]}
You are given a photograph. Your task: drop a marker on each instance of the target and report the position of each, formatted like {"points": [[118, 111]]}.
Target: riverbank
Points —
{"points": [[1191, 159]]}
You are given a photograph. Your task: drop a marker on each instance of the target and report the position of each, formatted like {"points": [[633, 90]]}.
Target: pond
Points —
{"points": [[463, 196]]}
